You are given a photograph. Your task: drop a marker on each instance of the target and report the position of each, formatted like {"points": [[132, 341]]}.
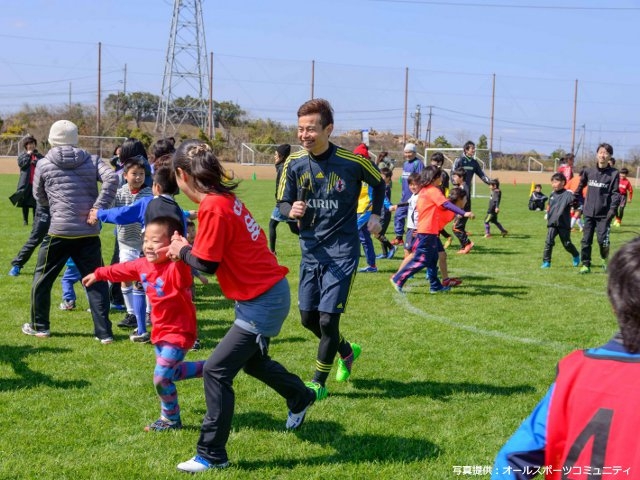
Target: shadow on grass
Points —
{"points": [[471, 289], [510, 291], [15, 356], [347, 448], [435, 390]]}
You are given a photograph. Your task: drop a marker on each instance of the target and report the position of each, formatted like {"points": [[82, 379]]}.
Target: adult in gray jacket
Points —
{"points": [[66, 180]]}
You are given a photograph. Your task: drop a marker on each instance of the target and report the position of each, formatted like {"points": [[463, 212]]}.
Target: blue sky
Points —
{"points": [[263, 53]]}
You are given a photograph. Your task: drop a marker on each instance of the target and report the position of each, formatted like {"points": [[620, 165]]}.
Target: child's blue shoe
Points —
{"points": [[545, 265]]}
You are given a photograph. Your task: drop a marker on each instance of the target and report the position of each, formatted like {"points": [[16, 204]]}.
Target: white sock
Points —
{"points": [[127, 294]]}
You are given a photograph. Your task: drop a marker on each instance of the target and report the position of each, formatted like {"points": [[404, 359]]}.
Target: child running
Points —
{"points": [[494, 209], [434, 212], [625, 191], [559, 221], [460, 223], [168, 285], [231, 244]]}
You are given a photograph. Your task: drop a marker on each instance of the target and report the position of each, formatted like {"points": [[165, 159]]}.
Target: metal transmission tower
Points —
{"points": [[185, 85]]}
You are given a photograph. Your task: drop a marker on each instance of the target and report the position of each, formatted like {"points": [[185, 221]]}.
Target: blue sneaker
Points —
{"points": [[545, 265], [198, 464], [380, 256], [15, 271], [391, 253], [576, 261], [368, 269], [442, 289]]}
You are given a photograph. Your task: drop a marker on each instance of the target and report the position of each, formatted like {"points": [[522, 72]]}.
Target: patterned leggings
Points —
{"points": [[169, 369]]}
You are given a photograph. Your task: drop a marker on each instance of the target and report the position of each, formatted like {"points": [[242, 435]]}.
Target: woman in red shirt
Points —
{"points": [[232, 245]]}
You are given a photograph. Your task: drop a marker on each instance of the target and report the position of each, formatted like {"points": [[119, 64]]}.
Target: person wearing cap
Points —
{"points": [[412, 164], [281, 154], [65, 180], [27, 162]]}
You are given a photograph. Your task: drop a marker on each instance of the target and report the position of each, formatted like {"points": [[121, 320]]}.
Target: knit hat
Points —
{"points": [[410, 147], [362, 150], [283, 150], [63, 132]]}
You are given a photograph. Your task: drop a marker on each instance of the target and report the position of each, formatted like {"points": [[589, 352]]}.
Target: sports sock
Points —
{"points": [[127, 294], [139, 307]]}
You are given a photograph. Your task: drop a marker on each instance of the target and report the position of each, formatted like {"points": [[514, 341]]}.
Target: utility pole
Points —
{"points": [[428, 135], [416, 123], [573, 126], [406, 95]]}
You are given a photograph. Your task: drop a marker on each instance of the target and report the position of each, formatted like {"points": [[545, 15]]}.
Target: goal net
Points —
{"points": [[260, 153], [483, 156]]}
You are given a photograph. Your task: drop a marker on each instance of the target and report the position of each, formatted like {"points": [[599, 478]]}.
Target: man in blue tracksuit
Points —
{"points": [[412, 164]]}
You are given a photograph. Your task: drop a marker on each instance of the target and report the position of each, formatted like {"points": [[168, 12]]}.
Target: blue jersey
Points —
{"points": [[329, 228], [409, 167]]}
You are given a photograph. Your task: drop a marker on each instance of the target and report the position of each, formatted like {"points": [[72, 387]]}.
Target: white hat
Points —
{"points": [[63, 132], [410, 147]]}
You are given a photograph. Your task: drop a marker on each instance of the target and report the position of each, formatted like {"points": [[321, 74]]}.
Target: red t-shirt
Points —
{"points": [[625, 188], [432, 215], [228, 234], [168, 286]]}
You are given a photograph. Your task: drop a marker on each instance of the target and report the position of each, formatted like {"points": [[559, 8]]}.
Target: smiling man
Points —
{"points": [[320, 186]]}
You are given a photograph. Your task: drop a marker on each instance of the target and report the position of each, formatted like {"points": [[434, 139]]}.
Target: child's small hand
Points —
{"points": [[470, 215], [393, 208], [177, 242], [89, 280], [163, 252], [193, 214], [204, 280]]}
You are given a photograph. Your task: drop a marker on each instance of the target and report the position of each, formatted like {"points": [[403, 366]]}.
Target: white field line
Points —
{"points": [[402, 300]]}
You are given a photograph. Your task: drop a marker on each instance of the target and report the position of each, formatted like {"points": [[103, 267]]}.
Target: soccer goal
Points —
{"points": [[483, 156], [260, 153]]}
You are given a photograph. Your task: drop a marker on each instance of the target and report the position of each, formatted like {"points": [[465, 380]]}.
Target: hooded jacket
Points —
{"points": [[66, 181]]}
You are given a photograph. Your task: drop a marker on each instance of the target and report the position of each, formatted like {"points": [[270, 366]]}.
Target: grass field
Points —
{"points": [[442, 382]]}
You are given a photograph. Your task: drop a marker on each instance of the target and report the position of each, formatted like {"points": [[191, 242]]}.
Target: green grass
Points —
{"points": [[443, 379]]}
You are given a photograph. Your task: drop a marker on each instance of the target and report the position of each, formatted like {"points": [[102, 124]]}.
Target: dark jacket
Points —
{"points": [[537, 200], [27, 164], [602, 198], [559, 214]]}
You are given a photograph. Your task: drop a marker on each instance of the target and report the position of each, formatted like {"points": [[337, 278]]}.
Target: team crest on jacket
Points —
{"points": [[340, 185]]}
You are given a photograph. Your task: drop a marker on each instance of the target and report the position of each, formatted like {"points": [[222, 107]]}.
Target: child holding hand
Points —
{"points": [[168, 286]]}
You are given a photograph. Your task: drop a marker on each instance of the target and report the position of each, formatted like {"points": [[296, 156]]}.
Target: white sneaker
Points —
{"points": [[198, 464], [294, 420]]}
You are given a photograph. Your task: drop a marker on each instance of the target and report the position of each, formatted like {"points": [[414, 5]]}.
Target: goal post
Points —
{"points": [[260, 153], [483, 156]]}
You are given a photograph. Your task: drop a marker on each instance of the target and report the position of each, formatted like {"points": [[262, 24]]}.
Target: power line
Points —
{"points": [[510, 6]]}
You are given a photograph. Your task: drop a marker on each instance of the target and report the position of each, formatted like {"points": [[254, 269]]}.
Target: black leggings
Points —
{"points": [[326, 326]]}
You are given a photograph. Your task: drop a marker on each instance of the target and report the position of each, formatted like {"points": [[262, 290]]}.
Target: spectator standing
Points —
{"points": [[27, 162], [412, 164], [66, 180]]}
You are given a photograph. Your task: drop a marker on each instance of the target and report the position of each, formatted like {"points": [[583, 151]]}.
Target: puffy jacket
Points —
{"points": [[66, 181]]}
